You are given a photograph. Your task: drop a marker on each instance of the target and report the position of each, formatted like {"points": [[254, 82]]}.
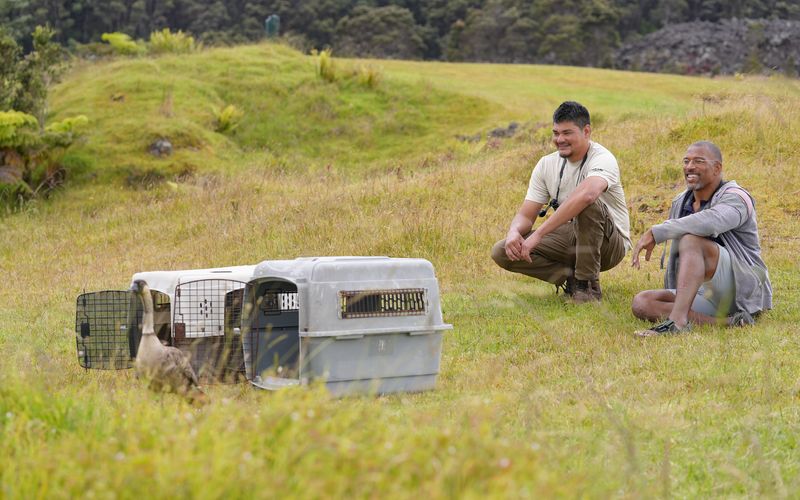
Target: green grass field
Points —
{"points": [[535, 398]]}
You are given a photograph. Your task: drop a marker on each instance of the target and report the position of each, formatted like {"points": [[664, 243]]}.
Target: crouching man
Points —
{"points": [[588, 231], [715, 274]]}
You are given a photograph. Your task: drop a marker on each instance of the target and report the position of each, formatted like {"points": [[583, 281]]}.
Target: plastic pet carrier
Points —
{"points": [[361, 324]]}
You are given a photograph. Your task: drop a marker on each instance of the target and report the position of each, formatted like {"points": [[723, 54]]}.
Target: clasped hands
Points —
{"points": [[519, 248]]}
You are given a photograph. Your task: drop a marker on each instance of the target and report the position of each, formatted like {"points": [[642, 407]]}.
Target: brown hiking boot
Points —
{"points": [[587, 291], [567, 288]]}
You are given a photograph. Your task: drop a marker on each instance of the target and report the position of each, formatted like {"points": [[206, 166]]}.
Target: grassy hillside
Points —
{"points": [[535, 397], [292, 119]]}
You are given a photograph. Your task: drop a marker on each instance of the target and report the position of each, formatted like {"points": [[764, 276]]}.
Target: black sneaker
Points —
{"points": [[664, 328]]}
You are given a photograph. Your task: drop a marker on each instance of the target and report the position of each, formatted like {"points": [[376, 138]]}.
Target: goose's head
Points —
{"points": [[139, 287]]}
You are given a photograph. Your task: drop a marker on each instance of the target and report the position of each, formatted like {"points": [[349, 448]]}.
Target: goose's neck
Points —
{"points": [[147, 316]]}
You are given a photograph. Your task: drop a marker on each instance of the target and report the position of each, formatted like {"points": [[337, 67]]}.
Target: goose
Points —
{"points": [[165, 368]]}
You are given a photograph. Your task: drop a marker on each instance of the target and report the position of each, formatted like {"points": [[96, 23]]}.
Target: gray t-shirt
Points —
{"points": [[601, 163]]}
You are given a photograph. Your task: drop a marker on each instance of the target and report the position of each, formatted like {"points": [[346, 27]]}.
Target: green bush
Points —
{"points": [[123, 44], [18, 129], [30, 159], [227, 118], [167, 42], [63, 133]]}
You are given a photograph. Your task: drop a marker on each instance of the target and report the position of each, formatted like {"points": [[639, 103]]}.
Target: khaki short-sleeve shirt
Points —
{"points": [[544, 183]]}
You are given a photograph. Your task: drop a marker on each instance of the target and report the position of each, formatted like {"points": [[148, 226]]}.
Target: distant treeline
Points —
{"points": [[576, 32]]}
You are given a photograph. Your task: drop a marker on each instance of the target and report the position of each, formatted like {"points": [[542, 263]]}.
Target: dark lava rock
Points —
{"points": [[161, 148], [727, 47]]}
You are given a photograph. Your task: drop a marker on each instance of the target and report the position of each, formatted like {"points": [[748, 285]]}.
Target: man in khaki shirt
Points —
{"points": [[589, 230]]}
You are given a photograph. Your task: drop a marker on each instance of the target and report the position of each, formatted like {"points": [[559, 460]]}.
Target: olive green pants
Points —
{"points": [[583, 247]]}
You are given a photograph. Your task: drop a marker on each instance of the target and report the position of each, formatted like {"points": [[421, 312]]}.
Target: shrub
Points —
{"points": [[30, 159], [325, 68], [63, 134], [369, 76], [227, 118], [167, 42], [123, 44]]}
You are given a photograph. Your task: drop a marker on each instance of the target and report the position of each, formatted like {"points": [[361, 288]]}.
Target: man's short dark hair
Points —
{"points": [[711, 147], [571, 111]]}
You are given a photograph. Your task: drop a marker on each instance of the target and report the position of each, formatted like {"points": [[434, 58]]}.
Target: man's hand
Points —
{"points": [[647, 242], [532, 242], [522, 224], [514, 242]]}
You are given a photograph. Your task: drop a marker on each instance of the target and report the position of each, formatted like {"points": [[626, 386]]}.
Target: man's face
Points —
{"points": [[700, 169], [570, 139]]}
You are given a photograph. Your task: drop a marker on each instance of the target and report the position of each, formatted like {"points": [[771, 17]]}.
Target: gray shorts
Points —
{"points": [[716, 296]]}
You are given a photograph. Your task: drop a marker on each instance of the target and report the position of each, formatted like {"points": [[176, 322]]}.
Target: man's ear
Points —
{"points": [[587, 130]]}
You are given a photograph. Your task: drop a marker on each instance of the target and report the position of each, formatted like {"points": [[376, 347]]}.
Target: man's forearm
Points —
{"points": [[709, 222], [566, 212], [521, 224]]}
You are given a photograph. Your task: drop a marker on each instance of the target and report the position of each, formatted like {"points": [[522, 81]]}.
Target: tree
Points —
{"points": [[384, 32], [485, 29], [26, 79], [30, 152]]}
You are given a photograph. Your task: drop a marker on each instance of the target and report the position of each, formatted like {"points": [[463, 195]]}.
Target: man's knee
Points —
{"points": [[499, 254], [692, 242], [639, 305]]}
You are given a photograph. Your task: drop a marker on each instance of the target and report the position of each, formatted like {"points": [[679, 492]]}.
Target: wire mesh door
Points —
{"points": [[207, 325], [102, 333]]}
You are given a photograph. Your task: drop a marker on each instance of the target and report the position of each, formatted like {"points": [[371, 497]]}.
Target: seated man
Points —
{"points": [[715, 273], [588, 231]]}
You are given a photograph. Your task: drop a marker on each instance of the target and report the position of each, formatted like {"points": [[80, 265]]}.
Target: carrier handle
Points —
{"points": [[349, 337]]}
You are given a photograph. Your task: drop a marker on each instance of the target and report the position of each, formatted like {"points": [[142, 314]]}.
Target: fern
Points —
{"points": [[227, 118], [167, 42], [63, 134], [69, 125], [18, 129]]}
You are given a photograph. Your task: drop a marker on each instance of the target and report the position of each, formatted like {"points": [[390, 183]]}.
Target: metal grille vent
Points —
{"points": [[382, 303], [278, 302], [101, 330]]}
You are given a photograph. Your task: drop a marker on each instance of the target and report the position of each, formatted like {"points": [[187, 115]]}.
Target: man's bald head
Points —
{"points": [[712, 148]]}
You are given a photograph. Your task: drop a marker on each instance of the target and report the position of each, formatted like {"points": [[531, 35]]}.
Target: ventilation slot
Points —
{"points": [[382, 303], [278, 302]]}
